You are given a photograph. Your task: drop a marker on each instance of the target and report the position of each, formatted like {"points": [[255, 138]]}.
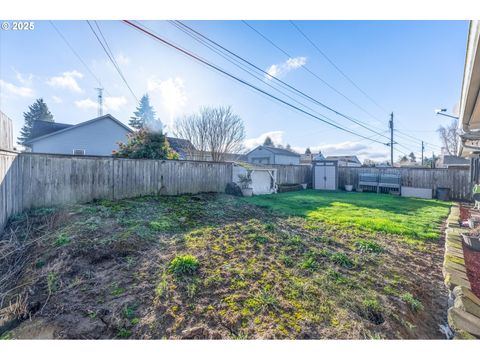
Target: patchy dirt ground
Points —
{"points": [[104, 270], [472, 257]]}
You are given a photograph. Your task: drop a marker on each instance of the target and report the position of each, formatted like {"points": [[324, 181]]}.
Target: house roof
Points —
{"points": [[181, 146], [50, 129], [276, 150], [347, 158], [455, 160], [41, 127]]}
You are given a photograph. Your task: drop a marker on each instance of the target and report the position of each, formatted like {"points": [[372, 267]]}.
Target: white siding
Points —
{"points": [[96, 138]]}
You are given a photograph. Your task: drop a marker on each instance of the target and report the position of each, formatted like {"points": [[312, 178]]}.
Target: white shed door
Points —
{"points": [[330, 175], [325, 177], [319, 177]]}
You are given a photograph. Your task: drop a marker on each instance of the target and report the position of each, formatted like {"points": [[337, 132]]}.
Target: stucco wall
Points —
{"points": [[97, 138]]}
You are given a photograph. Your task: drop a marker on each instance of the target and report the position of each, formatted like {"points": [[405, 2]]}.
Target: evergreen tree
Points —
{"points": [[37, 111], [412, 157], [308, 151], [268, 142], [144, 115]]}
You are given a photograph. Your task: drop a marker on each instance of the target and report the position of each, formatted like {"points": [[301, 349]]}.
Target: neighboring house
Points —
{"points": [[306, 159], [348, 160], [184, 148], [98, 136], [452, 161], [271, 155]]}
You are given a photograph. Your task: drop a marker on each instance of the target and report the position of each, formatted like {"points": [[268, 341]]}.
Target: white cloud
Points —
{"points": [[278, 70], [67, 81], [456, 109], [122, 59], [16, 90], [24, 79], [172, 94], [114, 102], [276, 136], [86, 104], [56, 99], [109, 103]]}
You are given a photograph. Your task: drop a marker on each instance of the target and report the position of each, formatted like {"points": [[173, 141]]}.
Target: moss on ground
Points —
{"points": [[321, 265]]}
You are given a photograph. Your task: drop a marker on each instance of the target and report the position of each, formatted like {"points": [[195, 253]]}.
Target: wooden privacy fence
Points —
{"points": [[457, 180], [293, 174], [30, 180]]}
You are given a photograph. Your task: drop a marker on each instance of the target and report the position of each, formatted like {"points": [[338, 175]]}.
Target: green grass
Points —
{"points": [[184, 265], [412, 218]]}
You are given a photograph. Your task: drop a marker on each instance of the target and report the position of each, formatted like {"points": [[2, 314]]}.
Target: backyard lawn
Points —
{"points": [[304, 265]]}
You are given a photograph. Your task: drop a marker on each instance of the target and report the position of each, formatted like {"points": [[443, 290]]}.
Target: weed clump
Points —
{"points": [[409, 299], [369, 246], [341, 259], [184, 265]]}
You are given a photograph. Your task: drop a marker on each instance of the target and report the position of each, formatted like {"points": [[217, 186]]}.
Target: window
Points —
{"points": [[78, 152]]}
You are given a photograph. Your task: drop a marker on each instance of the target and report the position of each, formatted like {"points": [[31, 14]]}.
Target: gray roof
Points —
{"points": [[41, 127], [455, 160], [277, 151], [347, 158], [50, 130], [181, 146]]}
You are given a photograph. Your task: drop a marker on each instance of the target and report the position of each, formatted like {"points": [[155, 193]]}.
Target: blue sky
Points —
{"points": [[408, 67]]}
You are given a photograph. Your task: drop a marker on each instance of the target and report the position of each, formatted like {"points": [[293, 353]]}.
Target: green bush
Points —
{"points": [[184, 265]]}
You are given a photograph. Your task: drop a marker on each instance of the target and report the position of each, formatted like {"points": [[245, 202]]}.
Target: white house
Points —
{"points": [[271, 155], [98, 136]]}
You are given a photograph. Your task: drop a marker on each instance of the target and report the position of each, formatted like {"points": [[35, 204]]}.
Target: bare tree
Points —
{"points": [[216, 131], [449, 137]]}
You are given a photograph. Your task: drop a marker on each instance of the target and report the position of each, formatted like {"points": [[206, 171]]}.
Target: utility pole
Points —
{"points": [[423, 148], [100, 101], [391, 139]]}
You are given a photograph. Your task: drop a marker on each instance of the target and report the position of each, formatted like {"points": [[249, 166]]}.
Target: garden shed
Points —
{"points": [[263, 178]]}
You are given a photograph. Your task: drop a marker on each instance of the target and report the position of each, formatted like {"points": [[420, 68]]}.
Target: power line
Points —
{"points": [[242, 67], [418, 139], [311, 72], [112, 59], [205, 62], [76, 54], [285, 85], [336, 67]]}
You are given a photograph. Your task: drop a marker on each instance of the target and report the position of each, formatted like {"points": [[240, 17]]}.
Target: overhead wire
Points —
{"points": [[205, 62]]}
